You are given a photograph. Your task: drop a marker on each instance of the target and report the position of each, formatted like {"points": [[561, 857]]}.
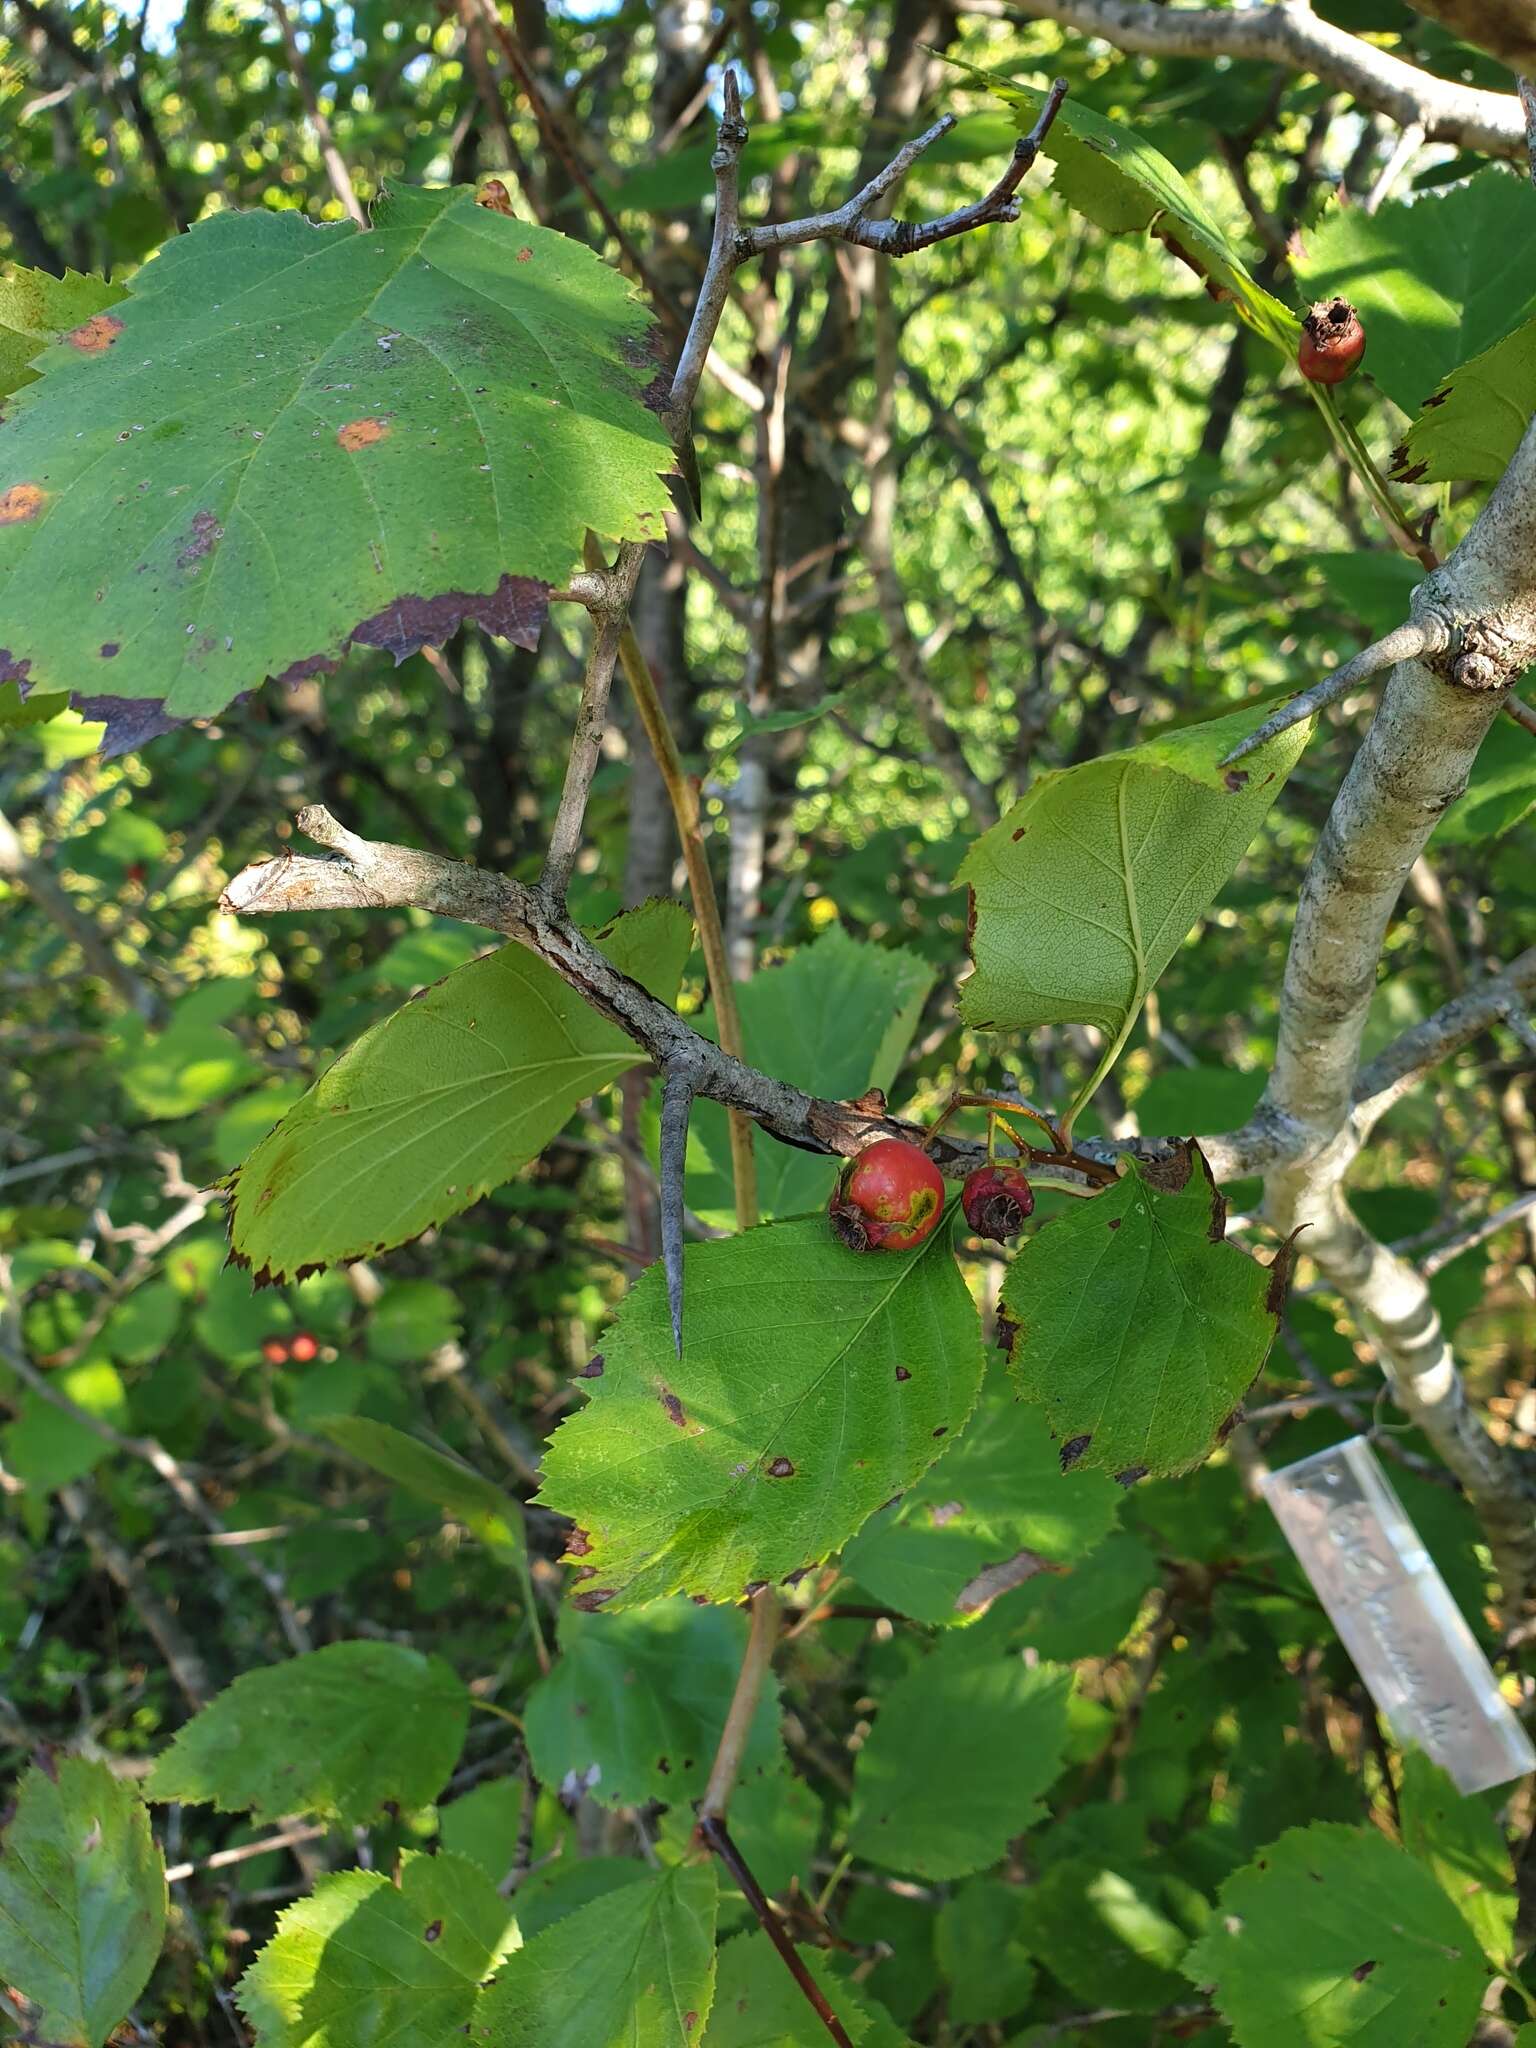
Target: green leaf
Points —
{"points": [[836, 1019], [141, 1326], [1473, 421], [193, 1062], [982, 1949], [759, 2005], [635, 1706], [1010, 1728], [82, 1900], [48, 1448], [815, 1382], [1463, 1845], [36, 309], [1371, 583], [1139, 1327], [635, 1969], [1001, 1490], [1084, 892], [363, 1961], [488, 1513], [1435, 280], [1126, 186], [1333, 1935], [411, 1319], [1103, 1935], [1086, 1612], [341, 1732], [295, 438], [439, 1103], [18, 713]]}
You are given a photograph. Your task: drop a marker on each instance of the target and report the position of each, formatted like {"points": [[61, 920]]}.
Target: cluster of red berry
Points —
{"points": [[299, 1349], [891, 1197]]}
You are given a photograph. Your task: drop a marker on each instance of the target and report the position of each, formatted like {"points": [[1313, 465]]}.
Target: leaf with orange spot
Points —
{"points": [[36, 309], [289, 440]]}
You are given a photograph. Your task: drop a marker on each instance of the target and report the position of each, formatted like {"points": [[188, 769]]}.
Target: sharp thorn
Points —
{"points": [[676, 1106]]}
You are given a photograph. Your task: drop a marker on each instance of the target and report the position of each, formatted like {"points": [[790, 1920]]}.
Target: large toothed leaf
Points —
{"points": [[1125, 185], [1472, 423], [341, 1732], [363, 1961], [1000, 1492], [36, 309], [1463, 1845], [290, 438], [82, 1901], [1139, 1327], [1333, 1935], [1001, 1728], [815, 1382], [636, 1704], [1085, 890], [449, 1097], [635, 1969]]}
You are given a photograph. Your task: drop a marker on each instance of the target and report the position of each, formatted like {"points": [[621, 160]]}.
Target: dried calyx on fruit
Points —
{"points": [[996, 1200], [888, 1199], [1332, 342]]}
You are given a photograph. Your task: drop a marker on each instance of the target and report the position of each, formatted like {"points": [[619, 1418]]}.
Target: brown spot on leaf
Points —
{"points": [[1170, 1176], [1226, 1428], [753, 1587], [364, 433], [434, 1931], [1017, 836], [515, 610], [1114, 1223], [598, 1597], [664, 1765], [1130, 1475], [1281, 1267], [902, 1373], [578, 1543], [942, 1430], [673, 1406], [1361, 1971], [1072, 1450], [525, 254], [203, 537], [21, 502], [691, 2020], [780, 1468], [1410, 476], [593, 1369], [108, 648], [94, 336], [1236, 779]]}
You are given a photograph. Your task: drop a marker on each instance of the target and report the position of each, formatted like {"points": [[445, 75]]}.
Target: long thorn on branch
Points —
{"points": [[1403, 643], [676, 1105], [591, 723]]}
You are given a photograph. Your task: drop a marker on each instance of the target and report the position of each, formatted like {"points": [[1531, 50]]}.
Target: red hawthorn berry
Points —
{"points": [[1332, 342], [303, 1348], [274, 1350], [888, 1199], [135, 871], [996, 1199]]}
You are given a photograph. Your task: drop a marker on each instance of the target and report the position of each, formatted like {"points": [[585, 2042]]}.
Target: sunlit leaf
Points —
{"points": [[814, 1384], [289, 439]]}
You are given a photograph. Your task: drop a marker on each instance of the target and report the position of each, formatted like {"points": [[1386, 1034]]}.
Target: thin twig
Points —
{"points": [[714, 1833], [556, 140], [591, 724], [1476, 1233], [335, 164]]}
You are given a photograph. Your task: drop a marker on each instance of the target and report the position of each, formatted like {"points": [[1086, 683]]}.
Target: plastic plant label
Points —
{"points": [[1394, 1613]]}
